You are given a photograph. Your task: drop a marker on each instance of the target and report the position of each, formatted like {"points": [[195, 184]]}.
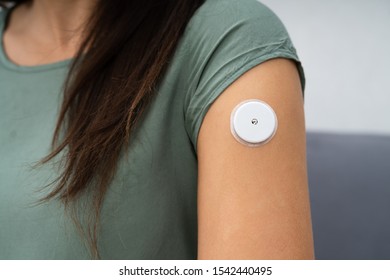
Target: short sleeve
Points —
{"points": [[228, 38]]}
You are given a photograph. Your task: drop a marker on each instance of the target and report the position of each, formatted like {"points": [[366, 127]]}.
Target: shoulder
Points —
{"points": [[233, 8], [222, 30], [224, 39], [216, 17]]}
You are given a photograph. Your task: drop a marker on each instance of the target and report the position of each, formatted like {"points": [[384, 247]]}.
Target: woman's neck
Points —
{"points": [[59, 20], [44, 31]]}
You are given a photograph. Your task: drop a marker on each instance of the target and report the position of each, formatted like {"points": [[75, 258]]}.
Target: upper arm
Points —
{"points": [[253, 202]]}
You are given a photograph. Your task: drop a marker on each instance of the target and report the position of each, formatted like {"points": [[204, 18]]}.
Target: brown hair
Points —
{"points": [[126, 49]]}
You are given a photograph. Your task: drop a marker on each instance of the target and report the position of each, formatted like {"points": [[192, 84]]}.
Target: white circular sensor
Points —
{"points": [[253, 122]]}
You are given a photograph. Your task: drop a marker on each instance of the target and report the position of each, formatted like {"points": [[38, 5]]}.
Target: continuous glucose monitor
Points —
{"points": [[253, 122]]}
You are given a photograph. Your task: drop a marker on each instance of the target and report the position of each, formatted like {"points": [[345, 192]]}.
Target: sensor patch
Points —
{"points": [[253, 122]]}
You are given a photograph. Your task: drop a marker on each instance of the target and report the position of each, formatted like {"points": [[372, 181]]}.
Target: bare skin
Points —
{"points": [[45, 31], [253, 203]]}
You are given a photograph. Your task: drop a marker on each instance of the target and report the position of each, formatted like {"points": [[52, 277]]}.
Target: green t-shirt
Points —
{"points": [[150, 210]]}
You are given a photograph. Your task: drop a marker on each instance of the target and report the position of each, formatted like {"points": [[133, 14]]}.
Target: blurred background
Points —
{"points": [[344, 46]]}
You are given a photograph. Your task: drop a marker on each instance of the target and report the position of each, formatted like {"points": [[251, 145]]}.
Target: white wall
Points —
{"points": [[345, 49]]}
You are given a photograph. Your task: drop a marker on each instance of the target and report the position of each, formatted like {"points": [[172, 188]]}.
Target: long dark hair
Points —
{"points": [[125, 51]]}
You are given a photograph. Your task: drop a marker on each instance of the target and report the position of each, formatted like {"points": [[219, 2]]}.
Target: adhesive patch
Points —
{"points": [[253, 122]]}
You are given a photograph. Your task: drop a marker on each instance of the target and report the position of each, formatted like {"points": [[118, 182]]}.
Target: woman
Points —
{"points": [[143, 164]]}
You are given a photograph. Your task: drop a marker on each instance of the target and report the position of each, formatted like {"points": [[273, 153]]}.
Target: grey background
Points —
{"points": [[344, 46]]}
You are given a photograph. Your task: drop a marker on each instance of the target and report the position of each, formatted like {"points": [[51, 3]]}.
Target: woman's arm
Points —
{"points": [[253, 203]]}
